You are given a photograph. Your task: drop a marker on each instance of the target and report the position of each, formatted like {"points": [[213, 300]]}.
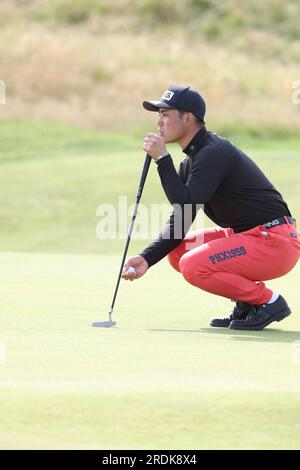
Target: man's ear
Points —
{"points": [[188, 118]]}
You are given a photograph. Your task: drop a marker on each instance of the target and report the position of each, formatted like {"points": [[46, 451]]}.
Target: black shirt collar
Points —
{"points": [[196, 143]]}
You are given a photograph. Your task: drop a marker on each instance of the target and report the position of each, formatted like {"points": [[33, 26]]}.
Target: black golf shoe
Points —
{"points": [[262, 315], [239, 312]]}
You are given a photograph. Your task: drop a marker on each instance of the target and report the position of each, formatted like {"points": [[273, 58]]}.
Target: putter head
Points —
{"points": [[103, 324]]}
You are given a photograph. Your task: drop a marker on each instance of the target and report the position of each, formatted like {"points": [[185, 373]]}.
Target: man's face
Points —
{"points": [[171, 125]]}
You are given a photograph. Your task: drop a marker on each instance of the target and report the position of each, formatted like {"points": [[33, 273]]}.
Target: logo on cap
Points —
{"points": [[167, 95]]}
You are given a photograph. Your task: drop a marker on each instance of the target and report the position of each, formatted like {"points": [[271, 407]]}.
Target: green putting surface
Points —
{"points": [[161, 379]]}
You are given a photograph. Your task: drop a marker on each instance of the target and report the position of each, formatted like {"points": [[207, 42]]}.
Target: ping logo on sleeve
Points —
{"points": [[227, 254]]}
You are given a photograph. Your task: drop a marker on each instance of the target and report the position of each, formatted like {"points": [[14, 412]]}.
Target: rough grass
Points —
{"points": [[92, 63]]}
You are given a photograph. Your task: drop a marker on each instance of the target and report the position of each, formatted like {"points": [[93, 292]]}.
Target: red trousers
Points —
{"points": [[233, 265]]}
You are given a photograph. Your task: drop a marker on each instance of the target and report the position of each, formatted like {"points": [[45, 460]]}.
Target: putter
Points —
{"points": [[110, 322]]}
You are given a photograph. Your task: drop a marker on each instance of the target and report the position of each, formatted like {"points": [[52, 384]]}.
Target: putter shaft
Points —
{"points": [[138, 197]]}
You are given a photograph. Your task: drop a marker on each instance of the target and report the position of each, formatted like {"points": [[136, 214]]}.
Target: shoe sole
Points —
{"points": [[280, 316], [220, 326]]}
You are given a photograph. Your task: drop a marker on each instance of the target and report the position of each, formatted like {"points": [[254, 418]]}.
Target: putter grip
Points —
{"points": [[144, 176]]}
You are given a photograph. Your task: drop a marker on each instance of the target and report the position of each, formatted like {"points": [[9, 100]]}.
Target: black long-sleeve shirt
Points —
{"points": [[233, 190]]}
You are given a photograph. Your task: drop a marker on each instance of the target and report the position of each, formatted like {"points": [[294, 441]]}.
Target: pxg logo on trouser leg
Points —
{"points": [[227, 254]]}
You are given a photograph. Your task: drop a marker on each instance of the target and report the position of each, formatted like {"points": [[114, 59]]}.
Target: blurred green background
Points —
{"points": [[71, 133], [76, 73]]}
